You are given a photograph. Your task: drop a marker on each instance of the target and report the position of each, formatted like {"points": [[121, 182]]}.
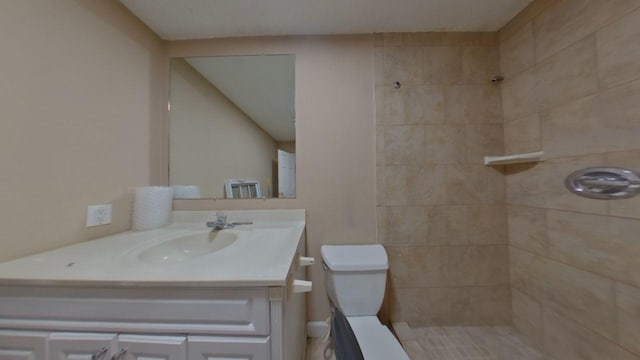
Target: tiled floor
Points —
{"points": [[450, 343], [465, 343]]}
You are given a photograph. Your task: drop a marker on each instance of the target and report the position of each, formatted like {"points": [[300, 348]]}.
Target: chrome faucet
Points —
{"points": [[221, 223]]}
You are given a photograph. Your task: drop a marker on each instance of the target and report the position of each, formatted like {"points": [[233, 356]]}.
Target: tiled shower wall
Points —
{"points": [[441, 212], [572, 89]]}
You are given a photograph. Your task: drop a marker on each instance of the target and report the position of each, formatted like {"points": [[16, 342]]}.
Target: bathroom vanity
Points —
{"points": [[180, 292]]}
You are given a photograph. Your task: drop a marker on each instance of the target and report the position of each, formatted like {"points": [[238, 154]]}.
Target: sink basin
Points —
{"points": [[188, 247]]}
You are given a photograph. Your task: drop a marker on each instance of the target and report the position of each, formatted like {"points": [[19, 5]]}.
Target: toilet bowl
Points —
{"points": [[355, 277]]}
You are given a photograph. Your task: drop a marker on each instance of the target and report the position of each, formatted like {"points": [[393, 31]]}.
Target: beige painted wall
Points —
{"points": [[572, 89], [288, 146], [211, 140], [441, 212], [81, 96], [335, 140]]}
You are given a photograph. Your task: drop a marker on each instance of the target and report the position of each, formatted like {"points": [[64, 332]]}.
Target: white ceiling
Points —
{"points": [[196, 19], [262, 86]]}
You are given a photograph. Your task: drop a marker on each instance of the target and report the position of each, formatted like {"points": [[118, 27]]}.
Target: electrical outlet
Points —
{"points": [[98, 215]]}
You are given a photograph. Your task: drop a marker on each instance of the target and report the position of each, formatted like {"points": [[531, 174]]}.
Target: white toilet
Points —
{"points": [[355, 277]]}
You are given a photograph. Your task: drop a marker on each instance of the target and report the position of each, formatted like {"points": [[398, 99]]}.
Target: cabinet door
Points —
{"points": [[139, 347], [19, 345], [225, 348], [81, 346]]}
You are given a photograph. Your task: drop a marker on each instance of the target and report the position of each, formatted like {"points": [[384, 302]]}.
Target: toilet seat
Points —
{"points": [[376, 340]]}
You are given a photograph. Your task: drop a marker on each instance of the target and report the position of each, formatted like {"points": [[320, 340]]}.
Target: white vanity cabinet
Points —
{"points": [[22, 345], [154, 323], [102, 300]]}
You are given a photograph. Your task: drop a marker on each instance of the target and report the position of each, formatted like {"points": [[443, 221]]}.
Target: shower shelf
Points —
{"points": [[514, 159]]}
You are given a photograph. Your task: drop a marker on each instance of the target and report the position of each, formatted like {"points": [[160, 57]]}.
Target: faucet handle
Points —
{"points": [[221, 217]]}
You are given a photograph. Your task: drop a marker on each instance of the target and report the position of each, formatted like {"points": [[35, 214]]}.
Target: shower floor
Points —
{"points": [[450, 343], [465, 343]]}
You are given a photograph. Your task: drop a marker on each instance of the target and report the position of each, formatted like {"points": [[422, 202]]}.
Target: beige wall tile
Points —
{"points": [[380, 153], [442, 65], [605, 245], [525, 16], [471, 38], [528, 229], [378, 65], [624, 207], [568, 75], [414, 39], [428, 261], [414, 104], [479, 64], [415, 185], [426, 185], [380, 105], [445, 144], [382, 233], [441, 39], [527, 316], [403, 64], [600, 123], [403, 225], [420, 223], [483, 140], [378, 40], [475, 184], [479, 265], [618, 47], [519, 97], [568, 21], [395, 185], [517, 51], [381, 197], [526, 185], [487, 224], [404, 145], [523, 267], [566, 340], [628, 301], [429, 306], [489, 305], [523, 135], [473, 104], [583, 296], [448, 225]]}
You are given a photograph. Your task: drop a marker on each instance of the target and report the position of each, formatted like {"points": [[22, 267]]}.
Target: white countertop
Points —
{"points": [[261, 256]]}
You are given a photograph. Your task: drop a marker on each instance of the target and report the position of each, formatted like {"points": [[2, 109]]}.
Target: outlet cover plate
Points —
{"points": [[98, 215]]}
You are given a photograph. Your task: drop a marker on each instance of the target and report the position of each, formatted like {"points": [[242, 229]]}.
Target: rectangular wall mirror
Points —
{"points": [[232, 127]]}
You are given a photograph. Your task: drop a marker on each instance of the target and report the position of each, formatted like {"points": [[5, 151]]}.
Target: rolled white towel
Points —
{"points": [[152, 207]]}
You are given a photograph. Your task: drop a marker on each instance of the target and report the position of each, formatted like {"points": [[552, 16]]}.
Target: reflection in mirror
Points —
{"points": [[232, 127]]}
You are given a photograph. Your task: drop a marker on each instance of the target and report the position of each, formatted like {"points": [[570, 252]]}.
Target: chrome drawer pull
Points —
{"points": [[99, 354], [120, 355]]}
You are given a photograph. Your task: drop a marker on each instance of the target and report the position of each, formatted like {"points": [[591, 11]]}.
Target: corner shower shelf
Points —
{"points": [[514, 159]]}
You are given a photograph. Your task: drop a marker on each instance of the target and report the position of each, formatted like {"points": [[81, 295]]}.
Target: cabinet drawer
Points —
{"points": [[225, 348], [19, 345], [195, 311]]}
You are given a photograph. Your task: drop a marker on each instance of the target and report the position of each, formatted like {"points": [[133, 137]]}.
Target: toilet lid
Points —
{"points": [[354, 257], [376, 340]]}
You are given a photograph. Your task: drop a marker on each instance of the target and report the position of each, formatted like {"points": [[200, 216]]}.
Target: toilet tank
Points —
{"points": [[355, 277]]}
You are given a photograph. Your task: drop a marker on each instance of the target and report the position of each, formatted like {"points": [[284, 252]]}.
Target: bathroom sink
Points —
{"points": [[188, 247]]}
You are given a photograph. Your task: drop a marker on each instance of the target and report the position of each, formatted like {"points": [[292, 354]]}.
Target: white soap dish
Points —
{"points": [[514, 159]]}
